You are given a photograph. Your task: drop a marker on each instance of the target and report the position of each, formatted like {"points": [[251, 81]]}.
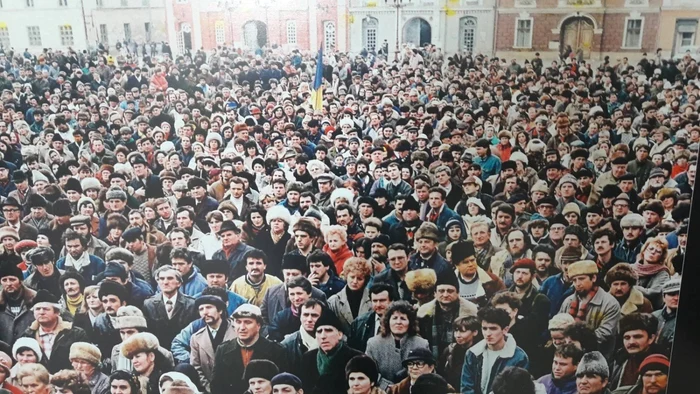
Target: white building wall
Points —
{"points": [[136, 13], [442, 15], [48, 15]]}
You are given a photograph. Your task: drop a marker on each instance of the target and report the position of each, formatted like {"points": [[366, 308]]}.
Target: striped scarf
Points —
{"points": [[578, 310]]}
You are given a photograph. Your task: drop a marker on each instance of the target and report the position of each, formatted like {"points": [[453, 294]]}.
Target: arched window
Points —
{"points": [[184, 38], [369, 33], [467, 33], [329, 34]]}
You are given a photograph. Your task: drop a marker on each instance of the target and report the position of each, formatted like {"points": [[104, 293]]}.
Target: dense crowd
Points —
{"points": [[441, 224]]}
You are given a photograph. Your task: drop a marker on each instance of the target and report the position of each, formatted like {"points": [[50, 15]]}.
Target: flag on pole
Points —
{"points": [[317, 96]]}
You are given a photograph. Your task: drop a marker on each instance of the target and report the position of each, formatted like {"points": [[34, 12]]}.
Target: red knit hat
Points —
{"points": [[524, 263], [25, 244], [655, 362]]}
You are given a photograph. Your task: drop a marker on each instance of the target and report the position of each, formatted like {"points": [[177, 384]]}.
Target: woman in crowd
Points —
{"points": [[353, 300]]}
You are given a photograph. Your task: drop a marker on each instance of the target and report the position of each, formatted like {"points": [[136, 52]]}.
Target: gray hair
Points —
{"points": [[166, 268]]}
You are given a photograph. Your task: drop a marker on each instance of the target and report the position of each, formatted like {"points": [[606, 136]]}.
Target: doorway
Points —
{"points": [[577, 32], [255, 34], [418, 32]]}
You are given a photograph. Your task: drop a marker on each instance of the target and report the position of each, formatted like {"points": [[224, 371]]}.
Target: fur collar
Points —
{"points": [[27, 294], [466, 308], [62, 325], [634, 301]]}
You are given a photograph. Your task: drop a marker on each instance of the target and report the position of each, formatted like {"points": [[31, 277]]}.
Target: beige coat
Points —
{"points": [[202, 353]]}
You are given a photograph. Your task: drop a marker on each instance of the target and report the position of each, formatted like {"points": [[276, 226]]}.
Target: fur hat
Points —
{"points": [[130, 316], [328, 318], [8, 232], [85, 351], [307, 226], [62, 207], [74, 185], [621, 271], [571, 207], [363, 364], [294, 262], [278, 212], [115, 193], [109, 287], [36, 201], [462, 250], [593, 363], [560, 321], [666, 192], [196, 182], [141, 342], [427, 230], [342, 193], [264, 369], [447, 277], [43, 297], [632, 220], [179, 387], [519, 156], [90, 183], [421, 279], [429, 384], [583, 267], [654, 206]]}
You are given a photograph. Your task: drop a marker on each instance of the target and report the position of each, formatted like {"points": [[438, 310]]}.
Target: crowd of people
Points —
{"points": [[441, 224]]}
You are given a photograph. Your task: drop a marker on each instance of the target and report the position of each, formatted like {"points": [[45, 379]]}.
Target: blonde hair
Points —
{"points": [[356, 265], [336, 230], [661, 243], [37, 370]]}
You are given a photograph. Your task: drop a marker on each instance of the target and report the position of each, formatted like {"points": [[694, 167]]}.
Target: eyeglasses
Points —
{"points": [[10, 210], [417, 364]]}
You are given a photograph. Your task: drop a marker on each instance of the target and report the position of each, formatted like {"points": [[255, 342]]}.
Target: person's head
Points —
{"points": [[654, 251], [85, 358], [298, 291], [123, 382], [592, 374], [494, 325], [480, 233], [556, 326], [513, 380], [247, 321], [356, 272], [381, 296], [399, 320], [582, 336], [286, 383], [418, 362], [653, 372], [465, 329], [621, 279], [75, 244], [34, 379], [211, 305], [336, 237], [42, 258], [255, 264], [638, 331], [168, 278], [565, 362], [447, 289], [259, 374], [583, 274], [329, 331], [362, 374], [113, 296], [671, 291], [427, 238], [311, 311], [523, 271]]}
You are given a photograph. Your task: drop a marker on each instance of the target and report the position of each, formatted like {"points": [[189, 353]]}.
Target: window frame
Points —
{"points": [[463, 28], [65, 33], [104, 35], [326, 25], [517, 23], [625, 32], [220, 32], [5, 32], [33, 40], [291, 27]]}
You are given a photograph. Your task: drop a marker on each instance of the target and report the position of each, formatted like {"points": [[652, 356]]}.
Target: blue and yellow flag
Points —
{"points": [[317, 95]]}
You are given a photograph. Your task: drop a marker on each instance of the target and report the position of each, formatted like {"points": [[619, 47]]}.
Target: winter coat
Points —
{"points": [[235, 260], [428, 325], [636, 302], [436, 262], [14, 326], [383, 349], [89, 272], [332, 382], [556, 386], [404, 387], [650, 287], [602, 316], [557, 291], [294, 349], [254, 296], [183, 314], [619, 362], [274, 251], [361, 330], [228, 371], [105, 334], [66, 335], [512, 356], [667, 328], [276, 299], [340, 305], [489, 285], [389, 277], [194, 283], [202, 353]]}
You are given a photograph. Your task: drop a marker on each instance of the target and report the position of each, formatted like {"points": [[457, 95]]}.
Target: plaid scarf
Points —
{"points": [[578, 311]]}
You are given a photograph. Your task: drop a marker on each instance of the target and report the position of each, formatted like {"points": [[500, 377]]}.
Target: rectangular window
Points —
{"points": [[291, 32], [30, 3], [687, 39], [125, 3], [104, 38], [63, 3], [34, 36], [66, 33], [633, 33], [371, 38], [329, 34], [147, 28], [4, 37], [100, 3], [523, 33], [219, 32], [127, 31]]}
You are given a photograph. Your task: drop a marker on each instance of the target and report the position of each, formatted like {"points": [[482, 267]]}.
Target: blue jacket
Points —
{"points": [[235, 260], [194, 283], [436, 262], [140, 290], [331, 287], [513, 356], [491, 165], [181, 343], [97, 266], [556, 290], [445, 216], [558, 386]]}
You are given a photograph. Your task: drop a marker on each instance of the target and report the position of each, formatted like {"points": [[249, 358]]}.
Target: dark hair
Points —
{"points": [[639, 321], [583, 334], [513, 380], [542, 248], [181, 253], [256, 254], [576, 230], [494, 315], [70, 235], [381, 287], [189, 211], [509, 298], [308, 194], [128, 377], [300, 282], [312, 302], [437, 189], [398, 246], [216, 292], [526, 238], [602, 232], [401, 307], [343, 207], [180, 230], [569, 350], [319, 255]]}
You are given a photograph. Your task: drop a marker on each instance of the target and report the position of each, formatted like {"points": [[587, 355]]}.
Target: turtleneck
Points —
{"points": [[354, 299], [73, 304]]}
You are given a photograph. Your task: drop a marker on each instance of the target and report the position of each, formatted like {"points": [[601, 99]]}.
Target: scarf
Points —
{"points": [[324, 360], [74, 304], [79, 263], [307, 340], [649, 269], [578, 311]]}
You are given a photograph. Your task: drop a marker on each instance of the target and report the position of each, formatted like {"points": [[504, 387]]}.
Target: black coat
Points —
{"points": [[229, 368], [184, 313], [283, 324], [274, 251], [332, 382], [60, 351], [82, 320], [361, 330]]}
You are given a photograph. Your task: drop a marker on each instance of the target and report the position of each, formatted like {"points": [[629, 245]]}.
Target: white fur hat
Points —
{"points": [[279, 212]]}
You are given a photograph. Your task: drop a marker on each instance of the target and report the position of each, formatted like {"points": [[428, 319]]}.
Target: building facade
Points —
{"points": [[597, 28], [453, 25], [141, 21], [252, 24], [39, 24], [681, 28]]}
